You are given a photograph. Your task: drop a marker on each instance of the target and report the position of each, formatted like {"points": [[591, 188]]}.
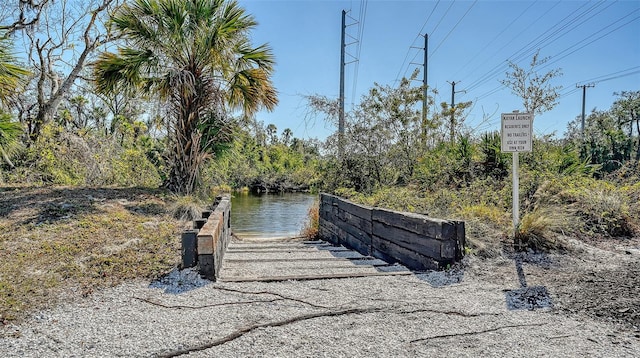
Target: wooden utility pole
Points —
{"points": [[452, 130], [584, 96]]}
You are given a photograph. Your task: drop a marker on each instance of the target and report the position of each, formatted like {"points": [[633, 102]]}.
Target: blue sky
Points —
{"points": [[469, 43]]}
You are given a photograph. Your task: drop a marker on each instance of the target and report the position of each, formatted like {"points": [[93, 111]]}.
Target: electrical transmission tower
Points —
{"points": [[341, 99], [343, 63], [425, 100]]}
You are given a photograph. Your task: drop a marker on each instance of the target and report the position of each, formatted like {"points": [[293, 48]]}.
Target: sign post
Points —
{"points": [[517, 136]]}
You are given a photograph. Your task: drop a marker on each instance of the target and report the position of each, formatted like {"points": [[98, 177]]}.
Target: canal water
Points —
{"points": [[269, 215]]}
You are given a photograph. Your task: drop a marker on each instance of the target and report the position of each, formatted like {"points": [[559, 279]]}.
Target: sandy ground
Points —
{"points": [[533, 305]]}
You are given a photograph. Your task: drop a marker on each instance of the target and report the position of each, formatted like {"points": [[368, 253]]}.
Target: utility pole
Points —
{"points": [[424, 84], [584, 96], [452, 132], [341, 99]]}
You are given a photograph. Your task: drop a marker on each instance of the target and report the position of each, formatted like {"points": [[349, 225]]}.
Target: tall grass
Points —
{"points": [[539, 228], [312, 224]]}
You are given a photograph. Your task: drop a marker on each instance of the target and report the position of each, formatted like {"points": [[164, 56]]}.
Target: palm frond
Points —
{"points": [[11, 75], [196, 54]]}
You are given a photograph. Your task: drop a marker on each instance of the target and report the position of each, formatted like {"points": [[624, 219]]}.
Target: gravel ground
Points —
{"points": [[478, 309]]}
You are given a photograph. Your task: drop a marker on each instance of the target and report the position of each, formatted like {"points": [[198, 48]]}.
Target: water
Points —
{"points": [[269, 215]]}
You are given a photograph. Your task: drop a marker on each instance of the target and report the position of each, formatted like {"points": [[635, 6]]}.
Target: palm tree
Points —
{"points": [[272, 133], [11, 78], [11, 75], [287, 134], [196, 55]]}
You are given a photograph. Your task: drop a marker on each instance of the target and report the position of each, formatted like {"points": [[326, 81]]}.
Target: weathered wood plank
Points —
{"points": [[361, 211], [416, 223], [313, 277], [329, 232], [209, 234], [354, 231], [408, 240], [461, 239], [269, 245], [327, 205], [355, 221], [390, 252], [287, 259], [341, 233], [213, 239], [448, 249], [206, 266], [431, 240], [275, 250], [292, 268], [356, 243]]}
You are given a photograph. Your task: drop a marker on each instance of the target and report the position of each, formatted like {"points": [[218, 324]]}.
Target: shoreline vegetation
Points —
{"points": [[101, 166]]}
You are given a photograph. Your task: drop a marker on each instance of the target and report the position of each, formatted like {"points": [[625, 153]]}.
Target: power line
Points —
{"points": [[432, 31], [484, 48], [523, 51], [474, 83], [454, 27], [619, 76], [598, 79], [361, 21], [567, 91], [442, 18], [414, 41], [594, 40], [559, 32], [555, 58]]}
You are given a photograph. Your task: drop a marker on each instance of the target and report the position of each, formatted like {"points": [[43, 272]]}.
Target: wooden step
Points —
{"points": [[284, 261], [312, 277]]}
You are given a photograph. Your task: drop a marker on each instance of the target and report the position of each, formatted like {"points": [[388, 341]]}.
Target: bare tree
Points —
{"points": [[61, 38], [535, 89], [21, 15]]}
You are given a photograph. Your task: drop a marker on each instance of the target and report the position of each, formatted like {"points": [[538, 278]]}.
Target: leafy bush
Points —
{"points": [[66, 158]]}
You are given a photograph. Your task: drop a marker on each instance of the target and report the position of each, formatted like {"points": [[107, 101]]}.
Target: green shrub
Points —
{"points": [[65, 158]]}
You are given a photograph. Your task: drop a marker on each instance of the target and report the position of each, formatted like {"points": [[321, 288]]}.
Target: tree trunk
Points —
{"points": [[47, 107], [186, 156]]}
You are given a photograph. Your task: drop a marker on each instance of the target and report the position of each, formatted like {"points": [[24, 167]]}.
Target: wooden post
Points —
{"points": [[199, 223], [189, 248]]}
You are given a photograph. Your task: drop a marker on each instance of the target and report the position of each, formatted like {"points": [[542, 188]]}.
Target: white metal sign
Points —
{"points": [[517, 130]]}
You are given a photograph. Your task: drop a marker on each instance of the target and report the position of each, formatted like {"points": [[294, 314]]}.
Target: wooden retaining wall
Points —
{"points": [[213, 239], [204, 245], [414, 240]]}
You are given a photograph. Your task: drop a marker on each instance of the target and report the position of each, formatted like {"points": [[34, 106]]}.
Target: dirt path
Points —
{"points": [[476, 309], [586, 303]]}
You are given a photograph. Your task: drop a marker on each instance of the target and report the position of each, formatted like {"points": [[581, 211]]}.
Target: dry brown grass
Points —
{"points": [[311, 226], [56, 242], [539, 229]]}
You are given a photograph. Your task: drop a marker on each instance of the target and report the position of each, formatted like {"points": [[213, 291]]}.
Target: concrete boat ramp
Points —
{"points": [[281, 259]]}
